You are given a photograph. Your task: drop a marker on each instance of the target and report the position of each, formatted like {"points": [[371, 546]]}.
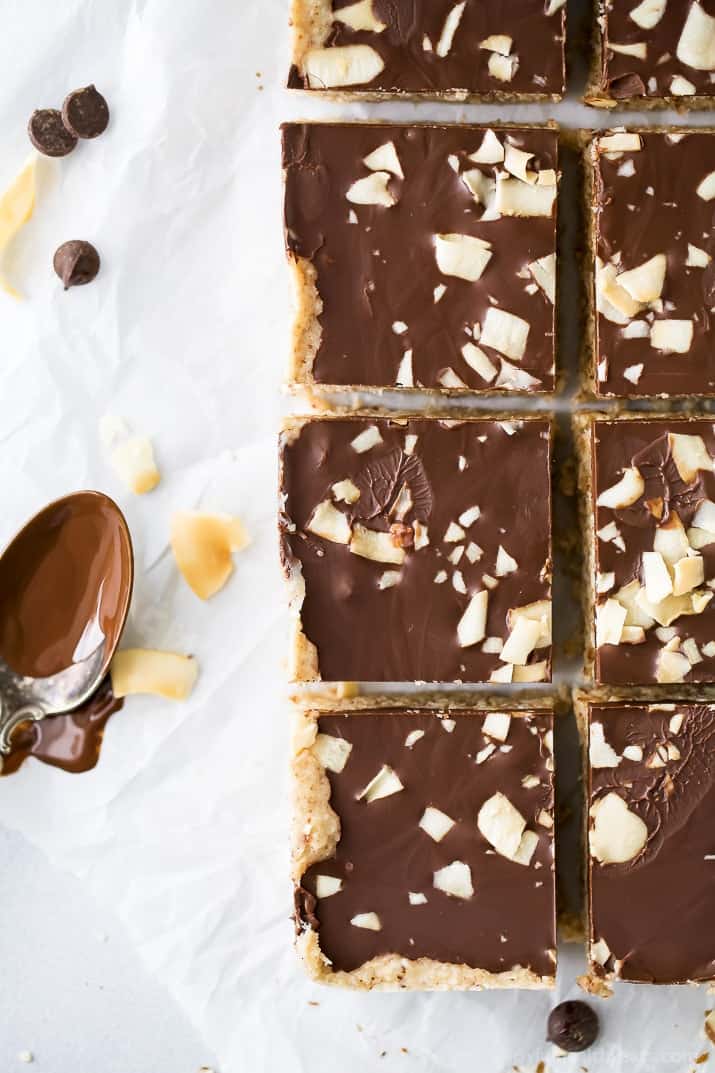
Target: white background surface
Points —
{"points": [[175, 847]]}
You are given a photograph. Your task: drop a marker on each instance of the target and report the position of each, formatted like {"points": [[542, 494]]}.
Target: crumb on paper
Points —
{"points": [[26, 1056], [132, 457]]}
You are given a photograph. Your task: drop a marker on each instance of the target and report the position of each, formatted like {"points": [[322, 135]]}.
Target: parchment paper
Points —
{"points": [[182, 828]]}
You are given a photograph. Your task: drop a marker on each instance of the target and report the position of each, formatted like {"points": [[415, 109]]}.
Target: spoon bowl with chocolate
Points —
{"points": [[65, 587]]}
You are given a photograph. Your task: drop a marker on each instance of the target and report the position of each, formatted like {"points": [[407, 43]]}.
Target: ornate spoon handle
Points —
{"points": [[10, 720]]}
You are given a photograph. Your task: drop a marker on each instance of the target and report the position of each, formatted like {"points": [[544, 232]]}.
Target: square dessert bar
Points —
{"points": [[423, 848], [442, 49], [653, 54], [651, 801], [653, 247], [418, 550], [649, 496], [424, 257]]}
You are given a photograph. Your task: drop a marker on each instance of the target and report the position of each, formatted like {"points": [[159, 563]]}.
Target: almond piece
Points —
{"points": [[672, 336], [451, 24], [455, 879], [326, 886], [521, 641], [696, 47], [501, 824], [600, 753], [471, 628], [496, 725], [648, 13], [617, 834], [503, 68], [505, 332], [331, 752], [345, 491], [366, 440], [203, 545], [146, 670], [384, 784], [372, 190], [435, 823], [369, 921]]}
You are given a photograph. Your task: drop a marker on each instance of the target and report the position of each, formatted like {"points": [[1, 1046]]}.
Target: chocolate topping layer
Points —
{"points": [[647, 205], [76, 263], [85, 112], [415, 62], [668, 503], [64, 586], [376, 620], [383, 854], [386, 314], [48, 133], [71, 742], [625, 75], [654, 912]]}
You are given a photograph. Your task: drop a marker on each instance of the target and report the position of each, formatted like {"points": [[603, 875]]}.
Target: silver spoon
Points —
{"points": [[65, 587]]}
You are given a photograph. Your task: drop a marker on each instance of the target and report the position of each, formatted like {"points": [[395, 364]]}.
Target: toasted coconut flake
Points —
{"points": [[491, 151], [455, 879], [147, 670], [672, 336], [329, 523], [203, 546], [375, 545], [463, 256], [472, 626], [696, 47], [331, 752], [451, 24], [505, 332], [372, 190], [348, 65], [17, 205], [625, 492]]}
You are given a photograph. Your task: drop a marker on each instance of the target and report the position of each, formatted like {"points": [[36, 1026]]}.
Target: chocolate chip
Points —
{"points": [[76, 263], [48, 133], [85, 113], [572, 1026]]}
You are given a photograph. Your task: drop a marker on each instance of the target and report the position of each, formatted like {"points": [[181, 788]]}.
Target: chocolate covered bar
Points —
{"points": [[650, 802], [440, 49], [424, 257], [423, 846], [417, 549], [648, 492], [652, 248], [653, 54]]}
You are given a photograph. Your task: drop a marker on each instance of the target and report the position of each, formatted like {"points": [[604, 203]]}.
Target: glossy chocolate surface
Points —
{"points": [[617, 445], [382, 293], [65, 585], [408, 47], [626, 76], [383, 854], [646, 204], [654, 912], [408, 631]]}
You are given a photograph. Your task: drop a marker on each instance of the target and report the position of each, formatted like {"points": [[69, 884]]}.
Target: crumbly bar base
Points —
{"points": [[316, 833]]}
